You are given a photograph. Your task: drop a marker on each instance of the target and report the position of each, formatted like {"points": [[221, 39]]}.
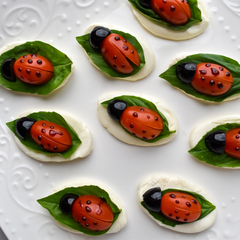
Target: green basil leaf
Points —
{"points": [[98, 60], [201, 152], [138, 101], [152, 16], [51, 203], [61, 63], [230, 64], [51, 117], [207, 208]]}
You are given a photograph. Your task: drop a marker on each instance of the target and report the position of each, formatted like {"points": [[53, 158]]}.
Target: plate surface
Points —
{"points": [[118, 165]]}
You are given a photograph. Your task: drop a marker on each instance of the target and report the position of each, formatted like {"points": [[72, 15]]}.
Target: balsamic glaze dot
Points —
{"points": [[185, 219], [203, 72], [142, 109], [176, 201], [187, 214], [21, 61], [88, 209], [177, 217], [153, 136], [117, 38], [203, 78], [33, 55], [208, 65], [237, 148], [132, 51], [88, 202], [86, 224], [134, 134], [228, 74], [125, 47], [237, 137], [28, 71], [172, 196], [143, 131], [19, 69], [131, 125], [148, 116], [183, 196], [135, 114], [60, 133], [78, 221], [212, 82], [176, 211], [44, 124], [220, 85], [124, 40], [194, 201], [39, 137], [188, 204], [221, 68], [30, 61], [51, 127], [43, 130], [170, 215], [39, 62], [215, 72], [123, 66], [115, 57], [24, 56], [84, 218], [156, 118], [172, 8], [55, 148], [95, 223], [38, 74]]}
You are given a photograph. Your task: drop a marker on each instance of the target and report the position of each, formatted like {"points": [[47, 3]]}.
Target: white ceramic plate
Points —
{"points": [[118, 165]]}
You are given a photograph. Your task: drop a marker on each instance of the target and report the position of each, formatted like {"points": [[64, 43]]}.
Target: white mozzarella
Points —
{"points": [[118, 224], [14, 44], [181, 56], [206, 125], [117, 131], [165, 181], [162, 32], [83, 150], [148, 53]]}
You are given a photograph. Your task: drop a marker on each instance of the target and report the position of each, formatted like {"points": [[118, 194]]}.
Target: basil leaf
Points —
{"points": [[152, 16], [61, 64], [230, 64], [207, 208], [201, 152], [51, 203], [98, 60], [51, 117], [138, 101]]}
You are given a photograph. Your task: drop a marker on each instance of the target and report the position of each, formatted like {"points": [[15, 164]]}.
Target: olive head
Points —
{"points": [[152, 199], [115, 109], [7, 69], [146, 3], [97, 35], [23, 125], [215, 141], [186, 71], [66, 202]]}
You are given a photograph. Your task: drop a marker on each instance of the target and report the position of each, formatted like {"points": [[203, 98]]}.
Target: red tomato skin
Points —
{"points": [[142, 122], [92, 212], [212, 79], [51, 136], [33, 69], [180, 206], [232, 147], [116, 51], [176, 12]]}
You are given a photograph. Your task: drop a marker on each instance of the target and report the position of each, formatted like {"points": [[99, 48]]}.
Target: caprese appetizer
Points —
{"points": [[172, 19], [33, 67], [206, 77], [137, 119], [173, 202], [216, 141], [116, 53], [49, 136], [86, 207]]}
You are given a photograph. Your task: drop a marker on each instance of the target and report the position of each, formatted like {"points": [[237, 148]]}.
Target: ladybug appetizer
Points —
{"points": [[85, 206], [30, 68], [175, 205], [172, 203], [140, 121], [34, 67], [48, 135], [172, 19], [176, 12], [90, 211], [216, 141], [51, 136], [116, 53], [207, 78]]}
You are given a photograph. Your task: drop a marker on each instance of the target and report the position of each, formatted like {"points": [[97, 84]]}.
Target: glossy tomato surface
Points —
{"points": [[51, 136], [232, 146], [212, 79], [92, 212], [33, 69], [116, 51], [142, 122], [176, 12], [180, 206]]}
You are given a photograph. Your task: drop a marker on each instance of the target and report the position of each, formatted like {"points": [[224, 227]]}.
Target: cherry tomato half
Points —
{"points": [[232, 146]]}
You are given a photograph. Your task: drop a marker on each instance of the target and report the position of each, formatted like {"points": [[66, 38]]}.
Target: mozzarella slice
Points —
{"points": [[181, 56], [17, 43], [83, 150], [117, 131], [162, 32], [118, 224], [148, 53], [165, 181], [206, 125]]}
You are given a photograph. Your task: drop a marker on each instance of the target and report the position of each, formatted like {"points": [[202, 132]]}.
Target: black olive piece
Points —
{"points": [[186, 71], [97, 35], [7, 69], [23, 125], [146, 3], [66, 202], [216, 141], [115, 109], [152, 199]]}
